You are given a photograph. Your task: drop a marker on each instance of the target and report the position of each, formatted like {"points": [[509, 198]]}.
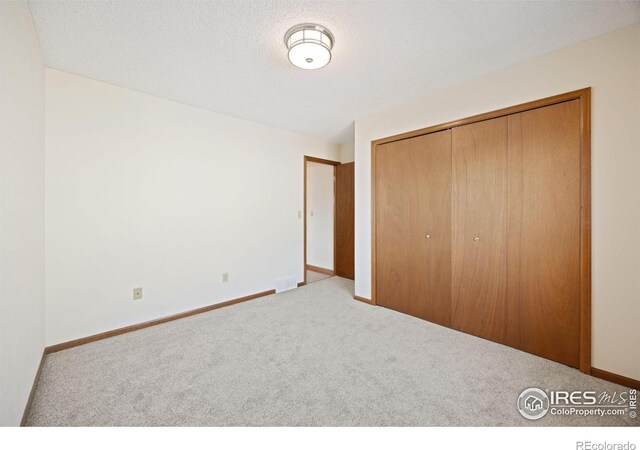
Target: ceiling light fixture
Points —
{"points": [[309, 45]]}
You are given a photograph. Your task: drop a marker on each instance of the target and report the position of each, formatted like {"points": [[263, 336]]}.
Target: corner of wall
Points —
{"points": [[21, 209]]}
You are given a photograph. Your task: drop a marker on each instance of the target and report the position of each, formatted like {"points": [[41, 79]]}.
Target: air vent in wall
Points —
{"points": [[286, 283]]}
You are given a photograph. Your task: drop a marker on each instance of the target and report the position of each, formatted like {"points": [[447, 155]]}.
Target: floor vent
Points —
{"points": [[286, 283]]}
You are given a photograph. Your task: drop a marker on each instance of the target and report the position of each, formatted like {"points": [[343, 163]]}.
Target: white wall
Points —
{"points": [[611, 65], [347, 153], [21, 209], [145, 192], [320, 198]]}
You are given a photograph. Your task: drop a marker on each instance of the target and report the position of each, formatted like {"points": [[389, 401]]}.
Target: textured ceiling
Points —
{"points": [[229, 56]]}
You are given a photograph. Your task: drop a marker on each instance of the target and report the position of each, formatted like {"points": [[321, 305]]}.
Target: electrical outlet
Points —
{"points": [[225, 277], [137, 293], [299, 214]]}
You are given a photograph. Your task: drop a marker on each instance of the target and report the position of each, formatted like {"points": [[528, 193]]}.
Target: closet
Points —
{"points": [[483, 225]]}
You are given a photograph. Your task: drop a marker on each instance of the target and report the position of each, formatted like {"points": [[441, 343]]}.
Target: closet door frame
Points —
{"points": [[584, 95]]}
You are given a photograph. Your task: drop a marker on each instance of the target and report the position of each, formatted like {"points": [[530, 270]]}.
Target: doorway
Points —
{"points": [[319, 218], [329, 219]]}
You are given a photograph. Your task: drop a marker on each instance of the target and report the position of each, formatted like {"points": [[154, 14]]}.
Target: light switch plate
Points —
{"points": [[225, 277], [137, 293]]}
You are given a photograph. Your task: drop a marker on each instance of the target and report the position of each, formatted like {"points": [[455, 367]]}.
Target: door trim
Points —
{"points": [[304, 209], [584, 95], [321, 270]]}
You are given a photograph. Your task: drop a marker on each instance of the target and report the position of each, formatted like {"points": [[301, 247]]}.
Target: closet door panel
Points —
{"points": [[547, 282], [413, 226], [479, 241]]}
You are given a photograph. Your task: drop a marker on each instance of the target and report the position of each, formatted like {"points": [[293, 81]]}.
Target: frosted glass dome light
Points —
{"points": [[309, 45]]}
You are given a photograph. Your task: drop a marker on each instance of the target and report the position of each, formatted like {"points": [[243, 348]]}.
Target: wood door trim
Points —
{"points": [[304, 209], [615, 378], [374, 231], [363, 300], [150, 323], [585, 230], [541, 103], [321, 161], [584, 95], [32, 393], [321, 270]]}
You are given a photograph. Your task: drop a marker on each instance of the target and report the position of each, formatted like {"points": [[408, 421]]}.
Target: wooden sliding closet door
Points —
{"points": [[413, 226], [479, 241], [544, 226]]}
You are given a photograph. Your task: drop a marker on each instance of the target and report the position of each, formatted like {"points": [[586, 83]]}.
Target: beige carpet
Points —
{"points": [[311, 356]]}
